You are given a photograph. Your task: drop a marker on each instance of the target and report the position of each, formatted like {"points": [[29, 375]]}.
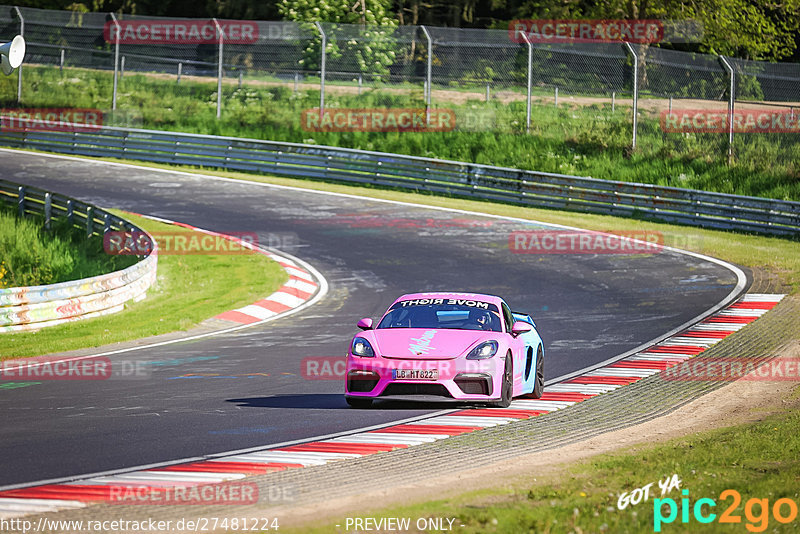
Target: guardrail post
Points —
{"points": [[19, 69], [322, 55], [116, 60], [219, 68], [70, 211], [89, 221], [106, 222], [428, 73], [630, 49], [530, 83], [48, 209], [21, 201], [731, 102]]}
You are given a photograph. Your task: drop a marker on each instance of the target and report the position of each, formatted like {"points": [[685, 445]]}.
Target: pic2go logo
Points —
{"points": [[756, 511]]}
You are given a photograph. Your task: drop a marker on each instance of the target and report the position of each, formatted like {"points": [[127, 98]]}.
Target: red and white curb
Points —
{"points": [[301, 287], [663, 355]]}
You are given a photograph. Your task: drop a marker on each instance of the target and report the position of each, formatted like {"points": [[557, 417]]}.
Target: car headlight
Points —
{"points": [[487, 349], [361, 347]]}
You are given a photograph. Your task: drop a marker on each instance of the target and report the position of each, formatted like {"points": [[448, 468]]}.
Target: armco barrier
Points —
{"points": [[670, 204], [29, 308]]}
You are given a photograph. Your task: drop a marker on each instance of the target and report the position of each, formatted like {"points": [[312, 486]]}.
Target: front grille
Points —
{"points": [[358, 384], [474, 386], [406, 388]]}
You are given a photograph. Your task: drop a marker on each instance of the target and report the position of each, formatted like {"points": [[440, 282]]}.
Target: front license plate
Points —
{"points": [[415, 374]]}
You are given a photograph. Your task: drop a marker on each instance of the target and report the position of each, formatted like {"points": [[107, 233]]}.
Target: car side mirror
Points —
{"points": [[520, 327], [365, 324]]}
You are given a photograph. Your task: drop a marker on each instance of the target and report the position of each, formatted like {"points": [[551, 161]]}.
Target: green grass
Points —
{"points": [[588, 140], [189, 289], [31, 255], [758, 460]]}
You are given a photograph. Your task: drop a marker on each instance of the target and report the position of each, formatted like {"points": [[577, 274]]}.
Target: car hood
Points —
{"points": [[426, 344]]}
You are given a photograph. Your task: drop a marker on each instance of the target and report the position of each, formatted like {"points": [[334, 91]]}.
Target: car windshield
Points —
{"points": [[443, 313]]}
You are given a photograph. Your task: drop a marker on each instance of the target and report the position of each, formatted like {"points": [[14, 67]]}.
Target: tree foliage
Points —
{"points": [[368, 47]]}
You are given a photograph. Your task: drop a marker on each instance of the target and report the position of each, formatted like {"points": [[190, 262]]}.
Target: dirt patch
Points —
{"points": [[743, 401]]}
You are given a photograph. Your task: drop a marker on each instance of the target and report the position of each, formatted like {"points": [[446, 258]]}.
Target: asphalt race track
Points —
{"points": [[588, 308]]}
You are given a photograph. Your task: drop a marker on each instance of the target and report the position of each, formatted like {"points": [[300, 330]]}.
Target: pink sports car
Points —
{"points": [[462, 346]]}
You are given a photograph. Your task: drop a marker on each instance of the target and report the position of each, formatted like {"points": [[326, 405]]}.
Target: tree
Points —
{"points": [[369, 46]]}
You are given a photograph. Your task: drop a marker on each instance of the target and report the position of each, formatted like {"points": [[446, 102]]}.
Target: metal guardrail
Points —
{"points": [[29, 308], [530, 188]]}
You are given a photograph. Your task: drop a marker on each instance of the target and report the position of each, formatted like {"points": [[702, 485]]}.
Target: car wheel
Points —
{"points": [[538, 381], [358, 402], [507, 385]]}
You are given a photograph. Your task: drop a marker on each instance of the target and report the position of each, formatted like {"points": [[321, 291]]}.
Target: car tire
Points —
{"points": [[538, 380], [506, 385], [358, 402]]}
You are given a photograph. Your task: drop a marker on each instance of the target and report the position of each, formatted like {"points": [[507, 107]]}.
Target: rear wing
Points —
{"points": [[518, 316]]}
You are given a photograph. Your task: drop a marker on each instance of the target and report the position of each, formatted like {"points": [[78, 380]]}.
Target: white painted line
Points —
{"points": [[289, 457], [587, 389], [302, 286], [166, 476], [762, 297], [540, 404], [669, 355], [742, 313], [294, 271], [389, 439], [719, 327], [256, 311], [251, 458], [11, 507], [692, 341], [623, 371], [285, 298], [656, 357], [467, 420]]}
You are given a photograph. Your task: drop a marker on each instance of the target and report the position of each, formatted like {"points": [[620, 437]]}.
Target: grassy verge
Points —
{"points": [[586, 139], [757, 460], [31, 255], [190, 288]]}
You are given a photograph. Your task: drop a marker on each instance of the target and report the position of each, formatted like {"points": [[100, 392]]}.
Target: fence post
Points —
{"points": [[731, 101], [180, 68], [89, 221], [19, 69], [428, 71], [221, 35], [48, 209], [323, 54], [21, 201], [116, 60], [530, 83], [630, 49]]}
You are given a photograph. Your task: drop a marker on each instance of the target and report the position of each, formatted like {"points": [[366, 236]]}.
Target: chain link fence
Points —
{"points": [[161, 72]]}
